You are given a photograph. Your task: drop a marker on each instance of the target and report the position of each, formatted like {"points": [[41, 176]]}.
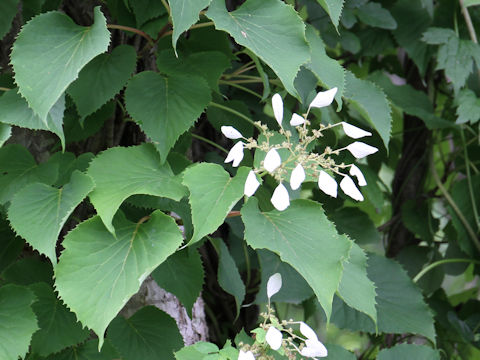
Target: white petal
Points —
{"points": [[314, 348], [277, 105], [349, 188], [272, 160], [231, 133], [327, 184], [308, 332], [235, 154], [251, 184], [360, 149], [355, 171], [354, 132], [274, 338], [296, 120], [280, 198], [245, 355], [297, 177], [274, 284], [324, 98]]}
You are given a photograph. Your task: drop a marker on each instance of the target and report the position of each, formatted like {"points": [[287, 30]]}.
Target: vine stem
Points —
{"points": [[164, 2], [196, 26], [438, 263], [210, 142], [4, 89], [468, 21], [133, 30], [226, 108], [469, 180]]}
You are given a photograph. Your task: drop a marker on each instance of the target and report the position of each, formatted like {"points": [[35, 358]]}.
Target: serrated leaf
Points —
{"points": [[86, 351], [28, 271], [17, 321], [409, 352], [145, 10], [5, 133], [303, 237], [356, 289], [333, 9], [24, 170], [328, 71], [208, 64], [8, 9], [437, 36], [375, 15], [38, 211], [184, 14], [14, 110], [336, 352], [371, 103], [356, 224], [97, 273], [58, 326], [468, 109], [269, 28], [212, 195], [182, 275], [101, 79], [148, 334], [114, 182], [43, 79], [10, 245], [166, 107]]}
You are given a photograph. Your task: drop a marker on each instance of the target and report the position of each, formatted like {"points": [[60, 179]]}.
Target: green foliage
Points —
{"points": [[410, 352], [8, 9]]}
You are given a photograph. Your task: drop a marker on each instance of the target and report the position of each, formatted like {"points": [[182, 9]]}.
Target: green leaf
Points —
{"points": [[29, 270], [468, 109], [356, 289], [144, 175], [166, 107], [8, 9], [375, 15], [101, 79], [148, 334], [43, 79], [14, 110], [269, 28], [145, 10], [87, 351], [58, 326], [5, 133], [333, 9], [24, 170], [182, 275], [301, 235], [336, 352], [184, 14], [471, 2], [10, 245], [38, 211], [438, 36], [371, 103], [208, 64], [17, 321], [328, 71], [97, 273], [409, 352], [199, 350], [212, 195], [228, 276], [356, 224]]}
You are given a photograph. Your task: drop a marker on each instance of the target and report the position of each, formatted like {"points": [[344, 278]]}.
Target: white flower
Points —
{"points": [[354, 132], [297, 177], [307, 331], [274, 284], [274, 338], [327, 184], [272, 160], [235, 154], [231, 133], [355, 171], [314, 348], [277, 105], [280, 198], [296, 120], [245, 355], [251, 184], [324, 98], [360, 149], [349, 188]]}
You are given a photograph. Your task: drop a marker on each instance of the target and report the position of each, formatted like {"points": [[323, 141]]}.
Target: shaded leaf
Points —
{"points": [[145, 10], [8, 9], [375, 15], [409, 352], [86, 351], [468, 109], [10, 245], [336, 352], [29, 270], [5, 133], [356, 224], [333, 9]]}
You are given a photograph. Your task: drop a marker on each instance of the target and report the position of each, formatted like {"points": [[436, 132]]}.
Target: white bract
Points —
{"points": [[274, 284], [360, 149], [245, 355], [354, 132], [323, 98], [355, 171], [307, 331], [277, 105], [231, 133], [272, 160], [251, 184], [349, 188], [327, 184], [313, 349], [235, 154], [274, 338], [297, 120], [280, 198], [297, 177]]}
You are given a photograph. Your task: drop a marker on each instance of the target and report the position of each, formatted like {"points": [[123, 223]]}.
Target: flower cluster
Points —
{"points": [[272, 332], [299, 161]]}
